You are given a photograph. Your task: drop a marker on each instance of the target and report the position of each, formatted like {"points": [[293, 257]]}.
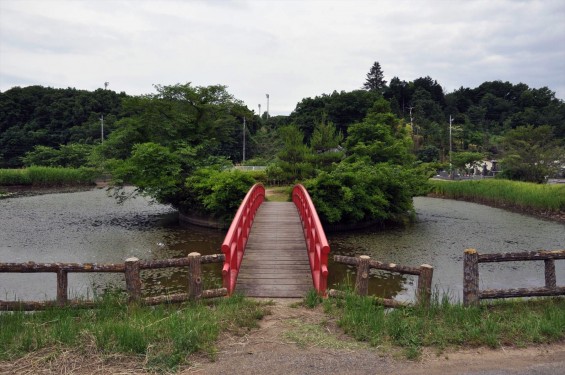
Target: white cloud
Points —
{"points": [[289, 49]]}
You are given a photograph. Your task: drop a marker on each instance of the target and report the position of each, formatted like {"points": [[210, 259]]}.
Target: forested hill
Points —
{"points": [[51, 117], [478, 115], [37, 115]]}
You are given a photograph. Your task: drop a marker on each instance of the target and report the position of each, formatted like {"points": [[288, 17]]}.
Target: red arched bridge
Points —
{"points": [[285, 247]]}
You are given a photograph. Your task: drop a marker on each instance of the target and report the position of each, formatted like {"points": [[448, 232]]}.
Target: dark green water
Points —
{"points": [[91, 227]]}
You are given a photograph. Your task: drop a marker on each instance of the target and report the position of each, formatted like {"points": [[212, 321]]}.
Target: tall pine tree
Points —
{"points": [[375, 79]]}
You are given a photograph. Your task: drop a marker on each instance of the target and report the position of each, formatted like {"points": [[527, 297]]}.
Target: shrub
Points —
{"points": [[359, 192], [216, 192]]}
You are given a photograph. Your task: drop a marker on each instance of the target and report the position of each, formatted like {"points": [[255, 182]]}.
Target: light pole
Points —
{"points": [[267, 106], [259, 109]]}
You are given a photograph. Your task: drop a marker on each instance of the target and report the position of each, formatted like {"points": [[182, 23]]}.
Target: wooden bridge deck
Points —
{"points": [[275, 263]]}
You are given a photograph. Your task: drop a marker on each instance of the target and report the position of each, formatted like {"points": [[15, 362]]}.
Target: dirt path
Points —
{"points": [[301, 341]]}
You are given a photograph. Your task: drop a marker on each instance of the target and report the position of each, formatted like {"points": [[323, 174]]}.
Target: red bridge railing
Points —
{"points": [[233, 246], [316, 242]]}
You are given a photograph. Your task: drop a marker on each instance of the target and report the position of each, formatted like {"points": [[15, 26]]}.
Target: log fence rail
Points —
{"points": [[364, 263], [132, 272], [471, 259]]}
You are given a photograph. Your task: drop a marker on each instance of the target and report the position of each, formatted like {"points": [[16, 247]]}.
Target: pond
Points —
{"points": [[91, 227]]}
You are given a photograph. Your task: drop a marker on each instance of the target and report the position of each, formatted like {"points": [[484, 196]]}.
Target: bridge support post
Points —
{"points": [[194, 276], [133, 279]]}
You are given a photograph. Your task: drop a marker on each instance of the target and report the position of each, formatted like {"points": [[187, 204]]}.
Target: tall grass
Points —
{"points": [[522, 195], [47, 176], [165, 335], [444, 324]]}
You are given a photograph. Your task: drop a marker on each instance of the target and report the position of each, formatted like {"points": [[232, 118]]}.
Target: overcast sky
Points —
{"points": [[288, 49]]}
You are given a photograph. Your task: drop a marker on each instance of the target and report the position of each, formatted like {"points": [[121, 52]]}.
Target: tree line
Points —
{"points": [[363, 153]]}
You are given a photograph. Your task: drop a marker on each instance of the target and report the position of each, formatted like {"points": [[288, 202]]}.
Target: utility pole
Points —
{"points": [[267, 106], [102, 118], [412, 120], [102, 128], [243, 141], [450, 167]]}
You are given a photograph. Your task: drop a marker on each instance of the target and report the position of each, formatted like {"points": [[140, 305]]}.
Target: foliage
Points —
{"points": [[463, 158], [153, 169], [294, 159], [48, 176], [265, 145], [43, 116], [164, 335], [182, 115], [326, 143], [361, 192], [532, 154], [176, 139], [340, 108], [72, 155], [216, 192], [380, 137], [522, 195]]}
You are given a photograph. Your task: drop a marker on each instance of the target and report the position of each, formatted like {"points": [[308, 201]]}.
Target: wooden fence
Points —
{"points": [[131, 270], [364, 264], [472, 294]]}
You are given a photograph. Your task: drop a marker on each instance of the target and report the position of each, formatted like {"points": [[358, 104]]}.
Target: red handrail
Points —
{"points": [[233, 246], [316, 242]]}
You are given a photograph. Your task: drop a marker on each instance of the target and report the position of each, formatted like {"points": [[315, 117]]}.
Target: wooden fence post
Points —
{"points": [[550, 281], [362, 280], [62, 287], [133, 279], [425, 285], [194, 276], [470, 277]]}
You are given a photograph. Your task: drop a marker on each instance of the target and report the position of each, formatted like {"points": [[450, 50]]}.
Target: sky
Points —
{"points": [[288, 49]]}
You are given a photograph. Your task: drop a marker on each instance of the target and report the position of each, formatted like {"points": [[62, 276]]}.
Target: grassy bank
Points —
{"points": [[47, 176], [523, 196], [163, 335], [444, 324]]}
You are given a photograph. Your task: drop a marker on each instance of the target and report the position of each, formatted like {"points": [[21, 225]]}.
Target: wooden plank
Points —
{"points": [[276, 262]]}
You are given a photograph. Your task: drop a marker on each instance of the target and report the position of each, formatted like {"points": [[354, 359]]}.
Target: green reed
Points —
{"points": [[522, 195], [47, 176]]}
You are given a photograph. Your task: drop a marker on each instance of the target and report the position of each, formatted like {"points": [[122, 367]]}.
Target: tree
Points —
{"points": [[295, 156], [375, 79], [326, 141], [532, 154], [380, 137], [466, 160]]}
